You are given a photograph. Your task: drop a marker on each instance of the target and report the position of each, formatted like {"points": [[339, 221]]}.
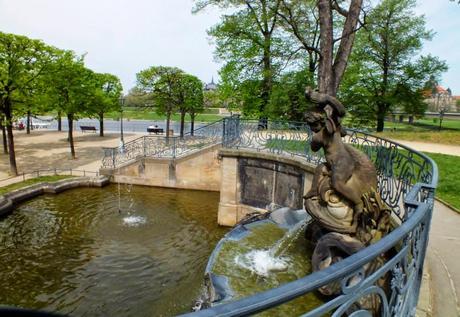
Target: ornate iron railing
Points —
{"points": [[407, 181], [163, 147]]}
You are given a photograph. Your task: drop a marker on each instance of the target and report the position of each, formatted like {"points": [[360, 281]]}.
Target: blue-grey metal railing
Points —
{"points": [[407, 180], [163, 147]]}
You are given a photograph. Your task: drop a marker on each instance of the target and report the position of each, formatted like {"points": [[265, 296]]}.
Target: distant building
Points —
{"points": [[441, 99], [210, 86]]}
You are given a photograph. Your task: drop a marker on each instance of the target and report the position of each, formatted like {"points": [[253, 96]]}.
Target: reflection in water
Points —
{"points": [[75, 254]]}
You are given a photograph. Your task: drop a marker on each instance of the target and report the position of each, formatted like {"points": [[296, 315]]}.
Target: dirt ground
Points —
{"points": [[50, 149]]}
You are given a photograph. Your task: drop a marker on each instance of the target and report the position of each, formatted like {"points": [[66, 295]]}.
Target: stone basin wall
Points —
{"points": [[260, 181], [11, 199]]}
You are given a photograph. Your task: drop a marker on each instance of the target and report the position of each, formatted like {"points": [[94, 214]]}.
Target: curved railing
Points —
{"points": [[407, 181]]}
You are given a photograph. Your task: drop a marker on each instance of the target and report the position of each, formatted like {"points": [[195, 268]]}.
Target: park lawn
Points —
{"points": [[153, 116], [449, 178], [450, 137], [28, 182]]}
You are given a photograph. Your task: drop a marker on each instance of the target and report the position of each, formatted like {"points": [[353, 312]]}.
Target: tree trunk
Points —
{"points": [[59, 121], [101, 124], [346, 43], [192, 123], [267, 76], [70, 137], [182, 123], [28, 122], [5, 142], [381, 111], [9, 128], [325, 79], [168, 119], [330, 70]]}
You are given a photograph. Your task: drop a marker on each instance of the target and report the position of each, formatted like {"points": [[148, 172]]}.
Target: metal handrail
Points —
{"points": [[170, 147], [409, 241]]}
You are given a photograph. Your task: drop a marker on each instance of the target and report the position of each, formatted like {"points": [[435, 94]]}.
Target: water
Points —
{"points": [[74, 253], [283, 244], [251, 266], [134, 221], [262, 262]]}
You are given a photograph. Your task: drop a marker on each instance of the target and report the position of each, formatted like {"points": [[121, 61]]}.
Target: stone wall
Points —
{"points": [[255, 181], [11, 199], [199, 170]]}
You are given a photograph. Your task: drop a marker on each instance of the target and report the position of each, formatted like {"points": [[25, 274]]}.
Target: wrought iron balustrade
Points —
{"points": [[407, 180], [163, 147]]}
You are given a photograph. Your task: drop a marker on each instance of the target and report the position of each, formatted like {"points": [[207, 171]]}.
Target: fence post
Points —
{"points": [[55, 171], [38, 173], [174, 148], [143, 139], [70, 172]]}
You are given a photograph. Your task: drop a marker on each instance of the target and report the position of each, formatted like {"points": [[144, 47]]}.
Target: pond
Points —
{"points": [[121, 250]]}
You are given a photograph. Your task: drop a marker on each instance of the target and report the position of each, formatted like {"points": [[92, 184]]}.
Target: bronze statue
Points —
{"points": [[344, 201]]}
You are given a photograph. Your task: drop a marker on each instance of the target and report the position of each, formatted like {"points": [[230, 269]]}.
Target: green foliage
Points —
{"points": [[288, 101], [383, 73], [190, 92], [106, 94], [76, 90], [163, 84], [254, 51], [23, 63]]}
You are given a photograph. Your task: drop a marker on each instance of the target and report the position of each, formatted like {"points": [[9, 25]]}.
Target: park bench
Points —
{"points": [[87, 128], [155, 130]]}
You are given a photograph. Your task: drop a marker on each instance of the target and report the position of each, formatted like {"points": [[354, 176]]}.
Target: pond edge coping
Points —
{"points": [[9, 200]]}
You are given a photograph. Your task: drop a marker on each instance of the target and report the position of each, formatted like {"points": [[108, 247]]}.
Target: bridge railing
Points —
{"points": [[172, 147], [407, 180]]}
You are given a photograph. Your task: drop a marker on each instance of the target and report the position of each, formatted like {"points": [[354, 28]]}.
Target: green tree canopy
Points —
{"points": [[23, 62], [385, 72], [106, 97], [163, 84]]}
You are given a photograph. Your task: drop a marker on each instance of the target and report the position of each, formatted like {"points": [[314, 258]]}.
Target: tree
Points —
{"points": [[288, 100], [192, 98], [22, 62], [300, 20], [71, 89], [384, 73], [248, 42], [4, 141], [162, 83], [107, 92]]}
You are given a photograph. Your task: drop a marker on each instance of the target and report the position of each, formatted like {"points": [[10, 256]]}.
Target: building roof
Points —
{"points": [[211, 85]]}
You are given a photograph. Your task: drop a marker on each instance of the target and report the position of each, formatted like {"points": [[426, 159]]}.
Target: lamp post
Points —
{"points": [[122, 141]]}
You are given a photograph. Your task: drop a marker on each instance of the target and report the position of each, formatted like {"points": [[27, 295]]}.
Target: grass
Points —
{"points": [[449, 137], [28, 182], [449, 178], [153, 116]]}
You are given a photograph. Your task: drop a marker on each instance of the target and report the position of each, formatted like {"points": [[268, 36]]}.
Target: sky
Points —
{"points": [[123, 37]]}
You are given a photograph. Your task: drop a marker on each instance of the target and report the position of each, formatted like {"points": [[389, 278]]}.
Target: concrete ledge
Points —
{"points": [[11, 199], [290, 160]]}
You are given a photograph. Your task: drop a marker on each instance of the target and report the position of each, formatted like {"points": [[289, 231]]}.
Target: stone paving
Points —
{"points": [[50, 149]]}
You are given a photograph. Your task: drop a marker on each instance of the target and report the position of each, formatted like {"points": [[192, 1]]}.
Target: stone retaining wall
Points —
{"points": [[199, 170], [258, 181], [9, 200]]}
